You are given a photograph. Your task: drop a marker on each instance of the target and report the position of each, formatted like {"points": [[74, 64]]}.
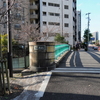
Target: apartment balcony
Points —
{"points": [[34, 7], [34, 16]]}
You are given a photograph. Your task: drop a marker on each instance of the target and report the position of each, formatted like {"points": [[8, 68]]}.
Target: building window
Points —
{"points": [[51, 23], [17, 26], [56, 5], [44, 13], [50, 4], [53, 4], [16, 5], [57, 14], [54, 23], [66, 7], [51, 14], [66, 16], [44, 3], [4, 4], [44, 23], [66, 25], [5, 26], [18, 16], [57, 24]]}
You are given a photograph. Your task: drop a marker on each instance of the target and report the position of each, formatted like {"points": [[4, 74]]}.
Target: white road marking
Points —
{"points": [[43, 86]]}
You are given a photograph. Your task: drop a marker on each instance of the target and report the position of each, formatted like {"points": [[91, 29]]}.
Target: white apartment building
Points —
{"points": [[79, 26], [58, 16]]}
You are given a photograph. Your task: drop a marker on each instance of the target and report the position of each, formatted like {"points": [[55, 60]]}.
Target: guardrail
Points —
{"points": [[60, 49]]}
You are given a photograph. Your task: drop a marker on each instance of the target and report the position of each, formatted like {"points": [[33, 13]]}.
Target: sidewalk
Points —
{"points": [[32, 85]]}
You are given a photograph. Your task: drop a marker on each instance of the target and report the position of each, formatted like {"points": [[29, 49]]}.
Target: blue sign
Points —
{"points": [[92, 38]]}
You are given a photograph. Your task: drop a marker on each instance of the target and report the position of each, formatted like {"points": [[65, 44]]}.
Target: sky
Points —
{"points": [[92, 7]]}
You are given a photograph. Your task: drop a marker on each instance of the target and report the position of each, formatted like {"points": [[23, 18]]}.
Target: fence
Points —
{"points": [[60, 49], [21, 54]]}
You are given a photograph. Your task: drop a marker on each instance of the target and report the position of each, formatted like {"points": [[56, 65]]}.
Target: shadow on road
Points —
{"points": [[68, 96], [75, 60], [95, 56]]}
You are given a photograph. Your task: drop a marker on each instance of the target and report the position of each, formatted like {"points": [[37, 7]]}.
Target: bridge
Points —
{"points": [[80, 61], [76, 78]]}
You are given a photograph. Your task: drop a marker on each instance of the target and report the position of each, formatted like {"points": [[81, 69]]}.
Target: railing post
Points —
{"points": [[25, 56]]}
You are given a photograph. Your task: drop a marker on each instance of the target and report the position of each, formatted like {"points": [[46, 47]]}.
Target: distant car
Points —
{"points": [[95, 48]]}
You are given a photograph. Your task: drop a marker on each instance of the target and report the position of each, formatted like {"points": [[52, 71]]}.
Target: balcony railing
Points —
{"points": [[35, 16], [34, 7]]}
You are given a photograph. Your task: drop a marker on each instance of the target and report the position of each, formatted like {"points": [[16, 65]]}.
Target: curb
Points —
{"points": [[60, 58]]}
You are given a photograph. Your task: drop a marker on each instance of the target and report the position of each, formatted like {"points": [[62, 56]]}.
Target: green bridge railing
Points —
{"points": [[60, 49]]}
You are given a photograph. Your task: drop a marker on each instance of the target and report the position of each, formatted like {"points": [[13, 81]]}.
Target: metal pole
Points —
{"points": [[88, 27], [9, 39], [62, 17]]}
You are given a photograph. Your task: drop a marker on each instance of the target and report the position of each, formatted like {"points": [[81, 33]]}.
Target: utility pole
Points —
{"points": [[9, 38], [88, 27], [62, 17]]}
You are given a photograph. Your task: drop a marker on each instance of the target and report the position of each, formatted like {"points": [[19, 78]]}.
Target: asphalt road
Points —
{"points": [[75, 86]]}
